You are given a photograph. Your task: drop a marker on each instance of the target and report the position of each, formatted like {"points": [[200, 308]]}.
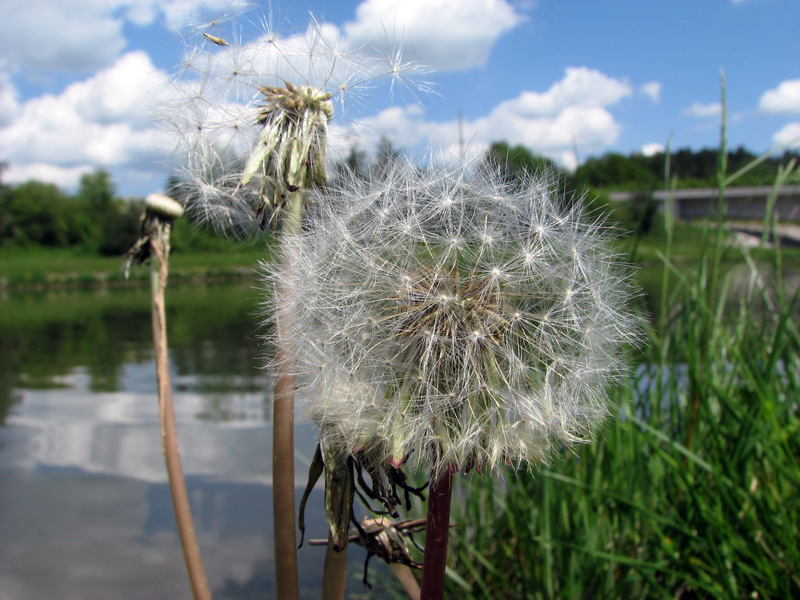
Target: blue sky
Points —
{"points": [[568, 79]]}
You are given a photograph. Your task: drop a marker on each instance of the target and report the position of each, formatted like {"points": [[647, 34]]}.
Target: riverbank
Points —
{"points": [[41, 268], [46, 268]]}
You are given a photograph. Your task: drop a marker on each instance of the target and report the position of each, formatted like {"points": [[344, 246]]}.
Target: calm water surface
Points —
{"points": [[85, 510]]}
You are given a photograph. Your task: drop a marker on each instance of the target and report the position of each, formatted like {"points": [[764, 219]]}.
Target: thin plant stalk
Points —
{"points": [[407, 579], [436, 531], [283, 497], [159, 244], [716, 247], [334, 572]]}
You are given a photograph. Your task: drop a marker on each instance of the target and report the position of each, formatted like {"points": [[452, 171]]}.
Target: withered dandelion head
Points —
{"points": [[250, 118]]}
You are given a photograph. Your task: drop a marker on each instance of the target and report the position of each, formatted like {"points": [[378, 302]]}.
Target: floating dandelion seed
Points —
{"points": [[456, 318], [250, 119], [215, 39]]}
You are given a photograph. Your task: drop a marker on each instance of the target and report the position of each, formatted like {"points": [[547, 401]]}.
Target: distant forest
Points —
{"points": [[635, 172], [96, 221]]}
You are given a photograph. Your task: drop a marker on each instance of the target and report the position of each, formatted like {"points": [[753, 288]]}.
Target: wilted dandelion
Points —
{"points": [[251, 118], [454, 320]]}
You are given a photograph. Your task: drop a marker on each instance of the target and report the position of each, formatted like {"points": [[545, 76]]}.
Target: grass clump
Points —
{"points": [[692, 492]]}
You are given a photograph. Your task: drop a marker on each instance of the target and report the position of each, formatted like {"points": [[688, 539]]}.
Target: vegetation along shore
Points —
{"points": [[49, 238]]}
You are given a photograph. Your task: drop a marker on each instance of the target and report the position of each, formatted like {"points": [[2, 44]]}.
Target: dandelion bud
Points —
{"points": [[164, 206], [496, 349]]}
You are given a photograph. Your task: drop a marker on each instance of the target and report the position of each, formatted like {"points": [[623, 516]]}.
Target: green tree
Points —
{"points": [[35, 213], [176, 189], [355, 163], [97, 189], [617, 170], [6, 229], [385, 155], [112, 224], [518, 160], [121, 226]]}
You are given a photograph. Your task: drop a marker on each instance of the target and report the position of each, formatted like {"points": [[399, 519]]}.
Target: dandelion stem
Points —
{"points": [[334, 573], [436, 531], [159, 242], [283, 510]]}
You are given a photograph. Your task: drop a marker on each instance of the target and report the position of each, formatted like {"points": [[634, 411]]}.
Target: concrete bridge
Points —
{"points": [[741, 203]]}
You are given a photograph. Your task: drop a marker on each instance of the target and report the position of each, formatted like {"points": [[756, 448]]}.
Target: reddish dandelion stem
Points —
{"points": [[436, 530]]}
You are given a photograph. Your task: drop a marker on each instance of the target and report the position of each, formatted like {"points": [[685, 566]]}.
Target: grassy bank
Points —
{"points": [[43, 267], [691, 490]]}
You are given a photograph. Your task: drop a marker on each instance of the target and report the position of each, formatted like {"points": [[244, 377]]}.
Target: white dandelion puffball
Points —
{"points": [[249, 118], [454, 317]]}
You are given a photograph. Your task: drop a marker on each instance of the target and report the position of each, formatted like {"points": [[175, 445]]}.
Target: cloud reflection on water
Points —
{"points": [[85, 510]]}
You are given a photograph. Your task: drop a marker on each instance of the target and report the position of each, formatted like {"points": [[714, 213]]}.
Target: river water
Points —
{"points": [[85, 511]]}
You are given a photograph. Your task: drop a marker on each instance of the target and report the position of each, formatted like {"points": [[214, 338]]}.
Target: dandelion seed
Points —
{"points": [[215, 39]]}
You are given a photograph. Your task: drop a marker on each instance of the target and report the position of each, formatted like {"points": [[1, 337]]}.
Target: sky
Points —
{"points": [[81, 80]]}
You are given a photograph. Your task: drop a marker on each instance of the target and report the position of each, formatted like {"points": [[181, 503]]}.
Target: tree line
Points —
{"points": [[615, 171], [96, 221], [93, 220]]}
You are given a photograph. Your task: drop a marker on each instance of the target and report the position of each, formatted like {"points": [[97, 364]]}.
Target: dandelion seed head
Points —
{"points": [[464, 355], [256, 107]]}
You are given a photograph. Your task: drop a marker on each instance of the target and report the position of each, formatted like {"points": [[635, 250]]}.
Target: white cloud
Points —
{"points": [[651, 149], [446, 34], [179, 13], [63, 177], [580, 87], [588, 127], [785, 99], [9, 105], [102, 120], [79, 35], [652, 90], [124, 92], [404, 126], [572, 113], [698, 109], [788, 135], [50, 34]]}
